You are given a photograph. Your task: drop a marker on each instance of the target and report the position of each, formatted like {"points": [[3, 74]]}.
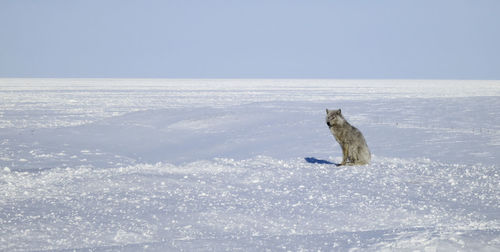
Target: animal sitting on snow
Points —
{"points": [[354, 148]]}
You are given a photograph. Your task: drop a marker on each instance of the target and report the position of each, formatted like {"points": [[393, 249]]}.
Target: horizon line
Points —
{"points": [[229, 78]]}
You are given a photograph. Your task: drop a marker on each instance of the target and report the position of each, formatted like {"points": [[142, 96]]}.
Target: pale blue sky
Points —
{"points": [[425, 39]]}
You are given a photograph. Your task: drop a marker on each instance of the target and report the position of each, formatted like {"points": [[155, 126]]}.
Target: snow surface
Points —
{"points": [[215, 165]]}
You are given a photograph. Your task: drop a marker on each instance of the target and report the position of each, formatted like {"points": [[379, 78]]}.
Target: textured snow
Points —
{"points": [[217, 165]]}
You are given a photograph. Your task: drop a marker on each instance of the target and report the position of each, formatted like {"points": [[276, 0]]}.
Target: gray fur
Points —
{"points": [[354, 148]]}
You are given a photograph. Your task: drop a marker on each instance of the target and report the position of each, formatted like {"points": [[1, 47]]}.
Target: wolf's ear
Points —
{"points": [[339, 112], [327, 111]]}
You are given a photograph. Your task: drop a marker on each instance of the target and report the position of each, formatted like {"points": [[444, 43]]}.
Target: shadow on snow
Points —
{"points": [[313, 160]]}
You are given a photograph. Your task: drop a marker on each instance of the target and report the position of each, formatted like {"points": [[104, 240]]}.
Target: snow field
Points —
{"points": [[190, 165], [249, 201]]}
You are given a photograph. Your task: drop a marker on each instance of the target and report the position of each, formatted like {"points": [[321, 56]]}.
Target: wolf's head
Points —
{"points": [[334, 117]]}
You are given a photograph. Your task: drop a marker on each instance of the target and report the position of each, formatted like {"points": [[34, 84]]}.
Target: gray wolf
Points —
{"points": [[354, 148]]}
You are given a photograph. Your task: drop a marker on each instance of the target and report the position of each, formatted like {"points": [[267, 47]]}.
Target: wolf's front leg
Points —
{"points": [[344, 154]]}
